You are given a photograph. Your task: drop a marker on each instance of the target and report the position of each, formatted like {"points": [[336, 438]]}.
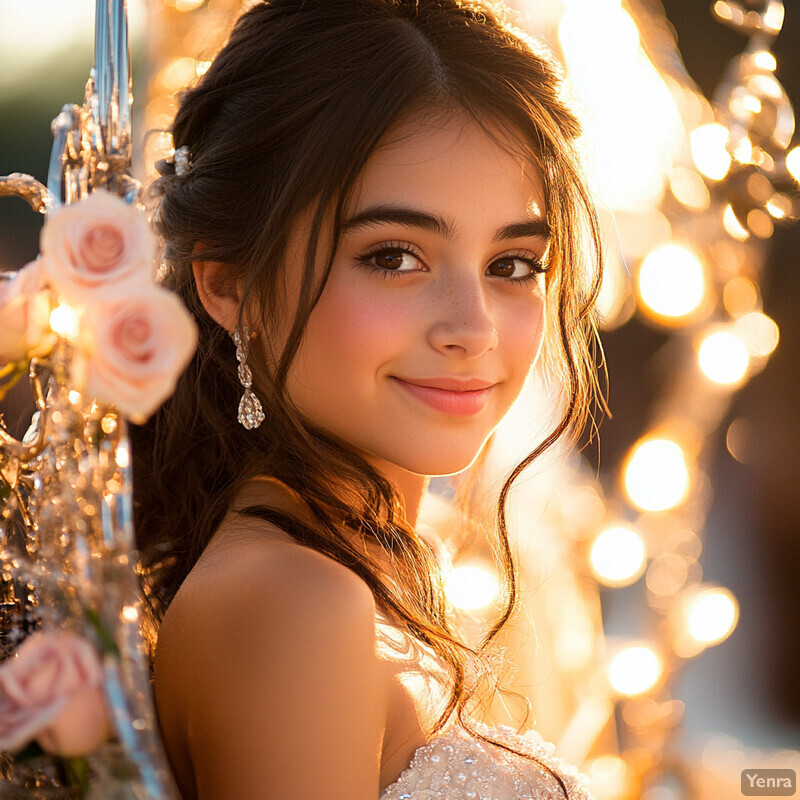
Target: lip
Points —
{"points": [[460, 397]]}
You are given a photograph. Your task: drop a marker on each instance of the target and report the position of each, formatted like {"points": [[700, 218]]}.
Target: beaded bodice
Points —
{"points": [[455, 765]]}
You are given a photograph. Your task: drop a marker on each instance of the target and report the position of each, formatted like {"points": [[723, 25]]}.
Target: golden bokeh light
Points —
{"points": [[689, 189], [185, 5], [609, 777], [709, 150], [779, 206], [723, 358], [732, 224], [739, 296], [656, 474], [177, 73], [739, 440], [763, 59], [793, 163], [471, 587], [672, 281], [123, 456], [759, 333], [760, 224], [617, 556], [635, 670], [667, 574], [710, 614], [64, 321]]}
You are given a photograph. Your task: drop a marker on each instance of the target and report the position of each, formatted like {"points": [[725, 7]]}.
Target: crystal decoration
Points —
{"points": [[251, 414]]}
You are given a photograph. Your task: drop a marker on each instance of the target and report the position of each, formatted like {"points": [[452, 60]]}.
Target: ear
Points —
{"points": [[219, 292]]}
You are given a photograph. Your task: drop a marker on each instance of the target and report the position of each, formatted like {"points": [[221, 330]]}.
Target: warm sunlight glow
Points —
{"points": [[617, 556], [631, 154], [709, 150], [635, 670], [656, 475], [723, 358], [672, 281], [471, 587]]}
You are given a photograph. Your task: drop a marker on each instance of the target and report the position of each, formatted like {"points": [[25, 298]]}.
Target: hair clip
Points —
{"points": [[183, 160], [179, 164]]}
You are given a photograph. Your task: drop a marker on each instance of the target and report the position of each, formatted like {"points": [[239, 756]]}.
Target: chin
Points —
{"points": [[436, 464]]}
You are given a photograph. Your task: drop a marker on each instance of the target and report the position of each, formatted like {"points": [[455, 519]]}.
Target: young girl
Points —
{"points": [[376, 214]]}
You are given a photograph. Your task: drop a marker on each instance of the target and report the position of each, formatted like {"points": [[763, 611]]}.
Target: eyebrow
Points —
{"points": [[413, 218]]}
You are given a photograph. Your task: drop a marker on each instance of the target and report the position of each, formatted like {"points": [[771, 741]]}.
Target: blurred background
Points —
{"points": [[669, 554]]}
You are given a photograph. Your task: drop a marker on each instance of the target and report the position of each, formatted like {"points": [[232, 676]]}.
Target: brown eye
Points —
{"points": [[389, 259], [516, 268], [503, 267]]}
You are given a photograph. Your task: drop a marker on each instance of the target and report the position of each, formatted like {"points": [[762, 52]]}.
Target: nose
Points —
{"points": [[463, 324]]}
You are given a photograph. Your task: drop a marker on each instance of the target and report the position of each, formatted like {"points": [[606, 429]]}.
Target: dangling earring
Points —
{"points": [[251, 415]]}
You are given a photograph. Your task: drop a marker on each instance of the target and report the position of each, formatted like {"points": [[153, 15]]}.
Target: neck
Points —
{"points": [[410, 487]]}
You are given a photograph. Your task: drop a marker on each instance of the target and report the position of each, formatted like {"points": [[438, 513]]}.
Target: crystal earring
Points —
{"points": [[251, 415]]}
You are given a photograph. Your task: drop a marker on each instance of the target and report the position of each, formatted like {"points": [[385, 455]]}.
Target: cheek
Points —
{"points": [[354, 330], [521, 332]]}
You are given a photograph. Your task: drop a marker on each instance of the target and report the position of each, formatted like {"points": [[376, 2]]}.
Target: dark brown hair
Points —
{"points": [[281, 125]]}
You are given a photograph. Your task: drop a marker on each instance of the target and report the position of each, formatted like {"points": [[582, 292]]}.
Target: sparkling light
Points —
{"points": [[617, 556], [635, 670], [793, 163], [709, 150], [723, 358], [672, 281], [732, 224], [64, 321], [471, 587], [656, 475], [711, 615], [74, 397], [130, 614], [759, 333]]}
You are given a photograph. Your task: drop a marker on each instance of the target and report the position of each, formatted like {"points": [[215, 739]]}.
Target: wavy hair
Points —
{"points": [[282, 124]]}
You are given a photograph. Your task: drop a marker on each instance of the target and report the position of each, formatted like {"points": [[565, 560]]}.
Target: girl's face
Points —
{"points": [[434, 309]]}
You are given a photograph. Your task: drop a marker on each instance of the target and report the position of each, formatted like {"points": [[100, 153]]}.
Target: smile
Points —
{"points": [[448, 395]]}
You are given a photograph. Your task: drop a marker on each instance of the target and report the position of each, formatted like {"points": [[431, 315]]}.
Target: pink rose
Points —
{"points": [[24, 315], [51, 690], [140, 340], [94, 243]]}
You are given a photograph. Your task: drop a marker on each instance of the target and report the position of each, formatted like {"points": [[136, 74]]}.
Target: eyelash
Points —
{"points": [[537, 266]]}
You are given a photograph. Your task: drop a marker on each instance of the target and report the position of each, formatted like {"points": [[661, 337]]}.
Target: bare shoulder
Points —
{"points": [[266, 661]]}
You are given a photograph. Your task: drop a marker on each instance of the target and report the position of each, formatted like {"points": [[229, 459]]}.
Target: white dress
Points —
{"points": [[454, 765], [457, 766]]}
